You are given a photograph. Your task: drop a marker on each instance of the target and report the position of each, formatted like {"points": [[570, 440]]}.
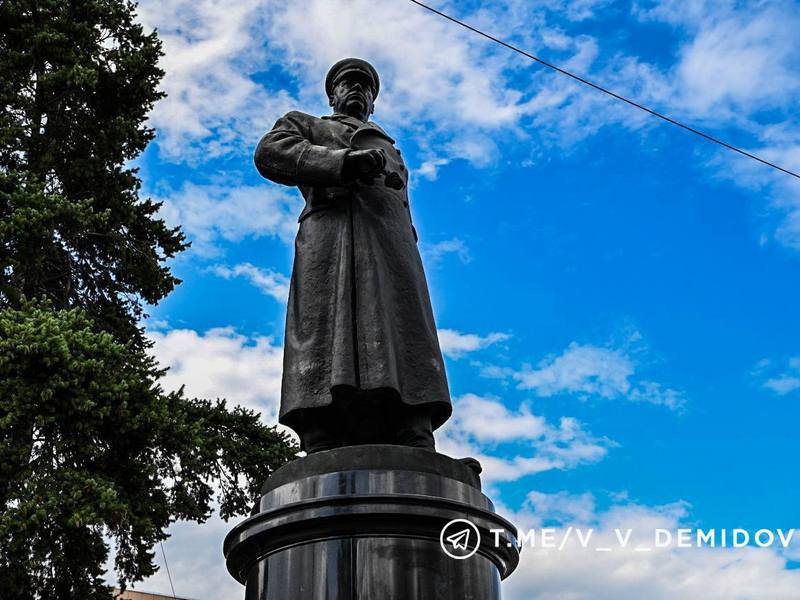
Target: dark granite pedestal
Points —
{"points": [[364, 523]]}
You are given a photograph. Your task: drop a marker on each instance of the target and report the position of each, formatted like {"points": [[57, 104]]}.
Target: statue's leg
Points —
{"points": [[363, 416], [368, 417], [414, 426], [320, 429]]}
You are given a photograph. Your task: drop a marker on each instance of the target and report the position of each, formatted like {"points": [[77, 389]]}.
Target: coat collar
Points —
{"points": [[352, 121], [359, 125]]}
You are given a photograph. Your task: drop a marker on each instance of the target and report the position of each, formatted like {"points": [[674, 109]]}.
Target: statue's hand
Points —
{"points": [[360, 163]]}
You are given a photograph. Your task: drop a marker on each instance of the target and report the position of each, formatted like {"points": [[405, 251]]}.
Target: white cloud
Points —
{"points": [[737, 67], [268, 281], [732, 73], [456, 344], [434, 253], [788, 232], [221, 363], [580, 369], [444, 86], [429, 169], [783, 191], [487, 420], [653, 392], [666, 573], [213, 106], [459, 96], [589, 371], [428, 66], [736, 59], [438, 81], [792, 552], [214, 52], [214, 212], [479, 424], [578, 10], [156, 324], [735, 64], [576, 509], [781, 383]]}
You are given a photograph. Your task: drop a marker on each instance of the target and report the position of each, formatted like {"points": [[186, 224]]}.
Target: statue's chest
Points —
{"points": [[332, 134]]}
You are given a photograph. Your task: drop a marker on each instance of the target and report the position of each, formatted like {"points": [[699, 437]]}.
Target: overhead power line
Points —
{"points": [[166, 564], [604, 90]]}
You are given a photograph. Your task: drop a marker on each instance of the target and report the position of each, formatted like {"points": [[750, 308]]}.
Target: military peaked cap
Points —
{"points": [[347, 65]]}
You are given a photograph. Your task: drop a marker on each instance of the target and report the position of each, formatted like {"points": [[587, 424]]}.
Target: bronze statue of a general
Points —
{"points": [[362, 362]]}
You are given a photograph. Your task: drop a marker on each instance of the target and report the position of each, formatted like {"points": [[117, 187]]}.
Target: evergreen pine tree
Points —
{"points": [[91, 447]]}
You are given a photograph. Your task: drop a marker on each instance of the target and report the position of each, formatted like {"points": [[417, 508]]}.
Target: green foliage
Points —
{"points": [[77, 80], [92, 449], [106, 451]]}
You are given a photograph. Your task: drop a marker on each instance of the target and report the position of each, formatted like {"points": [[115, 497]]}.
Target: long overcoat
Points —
{"points": [[359, 312]]}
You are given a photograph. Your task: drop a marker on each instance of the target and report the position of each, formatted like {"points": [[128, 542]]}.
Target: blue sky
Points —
{"points": [[617, 298]]}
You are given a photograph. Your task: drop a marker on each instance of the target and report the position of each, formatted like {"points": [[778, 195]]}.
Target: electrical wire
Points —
{"points": [[166, 564], [606, 91]]}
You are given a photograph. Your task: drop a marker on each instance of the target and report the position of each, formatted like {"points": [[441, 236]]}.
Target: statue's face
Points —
{"points": [[353, 95]]}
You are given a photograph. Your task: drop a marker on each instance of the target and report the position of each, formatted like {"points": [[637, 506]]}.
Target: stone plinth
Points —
{"points": [[364, 523]]}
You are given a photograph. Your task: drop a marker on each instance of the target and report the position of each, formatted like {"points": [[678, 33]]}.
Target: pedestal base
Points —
{"points": [[364, 523]]}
